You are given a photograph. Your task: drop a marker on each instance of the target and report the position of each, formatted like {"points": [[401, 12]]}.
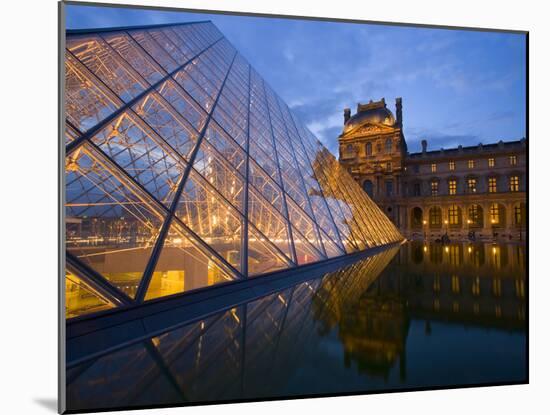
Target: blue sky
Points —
{"points": [[458, 87]]}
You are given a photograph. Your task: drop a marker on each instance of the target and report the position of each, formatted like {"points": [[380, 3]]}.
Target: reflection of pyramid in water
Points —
{"points": [[185, 169]]}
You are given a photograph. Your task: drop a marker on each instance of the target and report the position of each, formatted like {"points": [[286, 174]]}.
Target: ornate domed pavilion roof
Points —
{"points": [[371, 113]]}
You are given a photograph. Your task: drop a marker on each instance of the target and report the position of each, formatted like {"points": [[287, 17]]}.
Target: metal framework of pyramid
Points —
{"points": [[184, 169]]}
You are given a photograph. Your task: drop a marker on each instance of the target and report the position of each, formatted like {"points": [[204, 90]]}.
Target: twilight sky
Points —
{"points": [[458, 87]]}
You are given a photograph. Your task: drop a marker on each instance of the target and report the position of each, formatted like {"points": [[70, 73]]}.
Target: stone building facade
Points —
{"points": [[475, 191]]}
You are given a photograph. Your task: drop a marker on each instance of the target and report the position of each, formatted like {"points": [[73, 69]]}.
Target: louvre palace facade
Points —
{"points": [[476, 191]]}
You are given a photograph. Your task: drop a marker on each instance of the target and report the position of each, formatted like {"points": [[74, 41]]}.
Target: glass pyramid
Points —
{"points": [[184, 169]]}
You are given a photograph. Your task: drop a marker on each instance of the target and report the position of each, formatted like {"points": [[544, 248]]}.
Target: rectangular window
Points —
{"points": [[495, 214], [492, 184], [474, 216], [416, 168], [518, 216], [491, 162], [513, 160], [514, 184], [388, 166], [451, 165], [369, 149], [472, 185], [452, 187], [435, 188], [416, 189], [471, 164], [434, 167], [453, 215], [389, 188]]}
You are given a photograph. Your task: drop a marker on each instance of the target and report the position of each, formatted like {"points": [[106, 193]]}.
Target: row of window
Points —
{"points": [[471, 186], [512, 160], [497, 215], [368, 148]]}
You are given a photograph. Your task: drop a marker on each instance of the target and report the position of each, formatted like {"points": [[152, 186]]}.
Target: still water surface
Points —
{"points": [[412, 316]]}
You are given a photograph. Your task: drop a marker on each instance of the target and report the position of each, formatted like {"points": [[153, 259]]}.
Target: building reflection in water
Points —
{"points": [[350, 330]]}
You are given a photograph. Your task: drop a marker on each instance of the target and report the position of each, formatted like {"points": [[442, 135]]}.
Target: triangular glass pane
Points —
{"points": [[269, 221], [159, 54], [135, 56], [220, 174], [167, 123], [81, 299], [331, 249], [183, 104], [262, 256], [305, 252], [183, 266], [265, 185], [304, 224], [138, 150], [267, 163], [108, 66], [226, 146], [87, 102], [214, 220], [111, 225]]}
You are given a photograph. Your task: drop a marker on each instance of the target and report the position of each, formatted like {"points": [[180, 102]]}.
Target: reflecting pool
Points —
{"points": [[412, 316]]}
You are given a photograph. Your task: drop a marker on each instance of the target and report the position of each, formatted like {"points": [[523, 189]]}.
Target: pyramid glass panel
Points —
{"points": [[203, 210], [81, 298], [182, 266], [184, 169], [111, 223]]}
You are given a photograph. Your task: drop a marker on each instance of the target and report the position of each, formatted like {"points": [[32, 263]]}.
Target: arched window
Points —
{"points": [[388, 145], [520, 215], [454, 216], [416, 217], [369, 149], [435, 217], [367, 187], [475, 216], [497, 213]]}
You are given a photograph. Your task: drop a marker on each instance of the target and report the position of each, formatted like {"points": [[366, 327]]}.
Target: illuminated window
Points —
{"points": [[495, 213], [451, 165], [452, 187], [434, 167], [471, 164], [514, 184], [435, 187], [435, 216], [519, 214], [513, 160], [388, 145], [454, 218], [369, 149], [491, 162], [472, 185], [492, 184], [475, 215]]}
